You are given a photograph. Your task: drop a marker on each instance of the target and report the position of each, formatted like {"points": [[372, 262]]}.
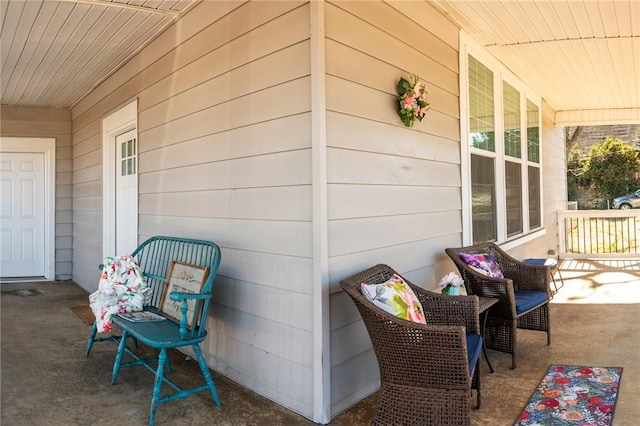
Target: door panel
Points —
{"points": [[22, 215]]}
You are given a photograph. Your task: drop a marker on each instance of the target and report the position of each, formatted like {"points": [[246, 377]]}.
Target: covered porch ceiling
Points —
{"points": [[581, 56]]}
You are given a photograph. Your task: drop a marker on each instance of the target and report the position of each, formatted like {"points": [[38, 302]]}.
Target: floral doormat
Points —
{"points": [[573, 395]]}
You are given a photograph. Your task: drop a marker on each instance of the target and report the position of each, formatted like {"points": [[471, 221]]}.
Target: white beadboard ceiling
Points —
{"points": [[54, 52], [581, 56]]}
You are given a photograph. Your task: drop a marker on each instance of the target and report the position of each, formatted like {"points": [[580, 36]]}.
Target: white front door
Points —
{"points": [[22, 214], [126, 199]]}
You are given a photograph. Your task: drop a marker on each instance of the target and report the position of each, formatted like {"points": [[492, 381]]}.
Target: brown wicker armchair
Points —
{"points": [[425, 369], [523, 295]]}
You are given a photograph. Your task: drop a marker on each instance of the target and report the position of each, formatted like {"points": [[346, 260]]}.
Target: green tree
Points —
{"points": [[611, 169], [576, 159]]}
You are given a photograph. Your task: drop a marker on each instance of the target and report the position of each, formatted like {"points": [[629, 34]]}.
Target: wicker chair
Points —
{"points": [[425, 369], [523, 295]]}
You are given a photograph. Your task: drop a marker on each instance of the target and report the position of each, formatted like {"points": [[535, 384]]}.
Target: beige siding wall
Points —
{"points": [[224, 154], [50, 123], [393, 192]]}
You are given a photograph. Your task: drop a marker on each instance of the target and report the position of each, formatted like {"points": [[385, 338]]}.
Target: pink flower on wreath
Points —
{"points": [[408, 102]]}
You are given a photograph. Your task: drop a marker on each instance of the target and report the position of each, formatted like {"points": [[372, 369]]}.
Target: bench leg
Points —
{"points": [[94, 330], [157, 386], [116, 364], [207, 375]]}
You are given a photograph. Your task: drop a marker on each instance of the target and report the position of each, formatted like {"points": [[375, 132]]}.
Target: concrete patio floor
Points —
{"points": [[47, 380]]}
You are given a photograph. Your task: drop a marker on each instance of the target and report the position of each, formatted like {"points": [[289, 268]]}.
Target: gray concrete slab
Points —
{"points": [[47, 380]]}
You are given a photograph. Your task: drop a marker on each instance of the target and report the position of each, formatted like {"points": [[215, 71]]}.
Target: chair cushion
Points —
{"points": [[528, 299], [395, 297], [485, 263], [551, 263], [474, 346]]}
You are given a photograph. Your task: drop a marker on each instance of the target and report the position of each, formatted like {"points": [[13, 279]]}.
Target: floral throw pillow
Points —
{"points": [[485, 263], [395, 297]]}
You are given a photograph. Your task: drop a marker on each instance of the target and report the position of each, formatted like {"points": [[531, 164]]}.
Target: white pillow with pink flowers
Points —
{"points": [[396, 297]]}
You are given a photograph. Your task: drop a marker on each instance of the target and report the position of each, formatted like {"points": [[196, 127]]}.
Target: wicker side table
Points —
{"points": [[485, 303]]}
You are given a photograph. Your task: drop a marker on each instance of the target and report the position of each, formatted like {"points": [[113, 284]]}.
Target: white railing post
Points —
{"points": [[562, 234]]}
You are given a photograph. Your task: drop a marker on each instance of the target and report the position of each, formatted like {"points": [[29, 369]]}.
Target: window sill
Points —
{"points": [[508, 245]]}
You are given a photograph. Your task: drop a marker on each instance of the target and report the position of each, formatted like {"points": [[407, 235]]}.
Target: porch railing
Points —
{"points": [[599, 233]]}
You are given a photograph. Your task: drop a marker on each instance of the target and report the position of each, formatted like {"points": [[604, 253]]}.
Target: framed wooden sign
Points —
{"points": [[183, 278]]}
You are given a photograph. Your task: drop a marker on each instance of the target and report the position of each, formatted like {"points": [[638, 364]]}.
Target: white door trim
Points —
{"points": [[120, 121], [46, 146]]}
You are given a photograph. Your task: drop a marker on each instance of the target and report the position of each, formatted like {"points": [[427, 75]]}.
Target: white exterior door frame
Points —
{"points": [[117, 123], [46, 146]]}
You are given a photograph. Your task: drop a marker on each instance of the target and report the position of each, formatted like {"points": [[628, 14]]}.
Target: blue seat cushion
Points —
{"points": [[528, 299], [474, 346], [552, 263]]}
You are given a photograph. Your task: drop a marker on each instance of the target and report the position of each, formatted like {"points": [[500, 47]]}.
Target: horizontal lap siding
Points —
{"points": [[50, 123], [393, 192], [224, 154]]}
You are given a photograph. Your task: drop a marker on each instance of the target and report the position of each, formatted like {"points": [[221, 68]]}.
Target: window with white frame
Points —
{"points": [[502, 153]]}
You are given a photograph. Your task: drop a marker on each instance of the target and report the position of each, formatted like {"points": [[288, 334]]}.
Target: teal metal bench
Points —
{"points": [[154, 257]]}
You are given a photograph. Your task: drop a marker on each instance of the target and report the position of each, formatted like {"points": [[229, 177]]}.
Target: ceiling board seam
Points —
{"points": [[144, 9], [523, 43]]}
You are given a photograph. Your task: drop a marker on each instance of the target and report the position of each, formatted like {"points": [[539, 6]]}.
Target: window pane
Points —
{"points": [[511, 113], [534, 198], [513, 186], [123, 168], [481, 101], [533, 133], [483, 205]]}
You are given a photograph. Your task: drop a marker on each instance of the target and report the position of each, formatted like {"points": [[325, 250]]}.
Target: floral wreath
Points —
{"points": [[412, 100]]}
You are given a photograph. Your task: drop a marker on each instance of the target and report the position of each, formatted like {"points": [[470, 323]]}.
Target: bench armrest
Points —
{"points": [[184, 308]]}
